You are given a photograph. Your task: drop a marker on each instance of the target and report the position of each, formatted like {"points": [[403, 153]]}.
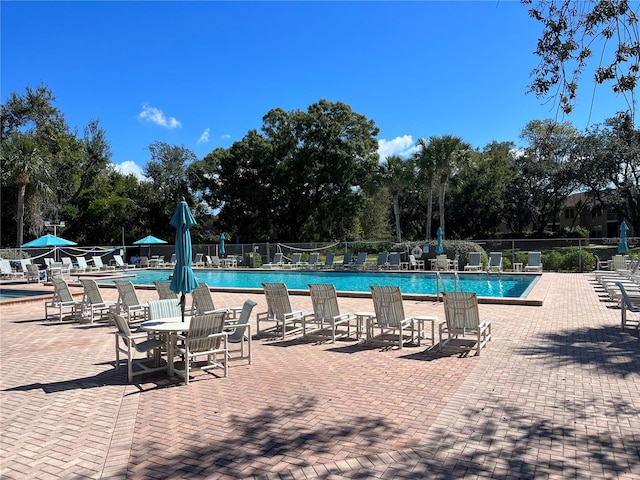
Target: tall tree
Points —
{"points": [[397, 174], [575, 31], [426, 162]]}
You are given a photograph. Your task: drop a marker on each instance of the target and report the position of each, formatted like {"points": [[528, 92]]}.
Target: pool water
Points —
{"points": [[485, 285], [10, 294]]}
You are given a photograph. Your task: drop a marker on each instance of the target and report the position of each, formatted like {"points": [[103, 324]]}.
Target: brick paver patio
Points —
{"points": [[556, 394]]}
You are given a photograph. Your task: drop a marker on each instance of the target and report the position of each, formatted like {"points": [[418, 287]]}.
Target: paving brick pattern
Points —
{"points": [[556, 394]]}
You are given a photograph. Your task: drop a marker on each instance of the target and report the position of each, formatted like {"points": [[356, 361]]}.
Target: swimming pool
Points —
{"points": [[14, 294], [485, 285]]}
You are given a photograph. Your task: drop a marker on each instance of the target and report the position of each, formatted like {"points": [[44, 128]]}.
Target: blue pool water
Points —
{"points": [[10, 294], [494, 285]]}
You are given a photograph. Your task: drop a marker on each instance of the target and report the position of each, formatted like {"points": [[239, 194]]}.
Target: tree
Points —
{"points": [[32, 128], [572, 29], [426, 164], [397, 175]]}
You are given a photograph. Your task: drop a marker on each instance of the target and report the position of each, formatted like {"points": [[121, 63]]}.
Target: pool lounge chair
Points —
{"points": [[279, 311], [495, 262], [413, 264], [83, 266], [475, 262], [382, 260], [327, 321], [394, 261], [534, 263], [313, 260], [628, 303], [463, 321], [361, 261], [33, 273], [164, 292], [198, 260], [62, 302], [276, 263], [390, 321], [346, 261], [128, 303], [296, 260], [120, 263], [97, 261]]}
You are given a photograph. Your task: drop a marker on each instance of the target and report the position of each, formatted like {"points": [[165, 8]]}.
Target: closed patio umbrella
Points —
{"points": [[439, 248], [183, 281], [221, 244], [623, 247]]}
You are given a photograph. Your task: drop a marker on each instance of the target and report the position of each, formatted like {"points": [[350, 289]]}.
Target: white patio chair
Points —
{"points": [[463, 321]]}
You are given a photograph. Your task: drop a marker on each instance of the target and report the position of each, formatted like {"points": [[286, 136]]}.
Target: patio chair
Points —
{"points": [[414, 264], [296, 260], [327, 318], [7, 271], [495, 262], [463, 321], [61, 302], [167, 308], [33, 273], [346, 261], [127, 343], [205, 338], [67, 266], [214, 261], [328, 260], [241, 333], [390, 320], [164, 292], [602, 265], [198, 261], [83, 266], [279, 311], [534, 262], [143, 261], [382, 260], [128, 303], [313, 260], [442, 263], [475, 262], [628, 303], [361, 261], [97, 261], [202, 302], [94, 307], [120, 263]]}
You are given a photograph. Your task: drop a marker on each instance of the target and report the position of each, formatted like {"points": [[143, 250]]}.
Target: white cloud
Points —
{"points": [[130, 168], [401, 146], [157, 116], [226, 136], [204, 138]]}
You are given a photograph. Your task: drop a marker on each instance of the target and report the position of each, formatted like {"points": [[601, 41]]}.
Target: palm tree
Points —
{"points": [[426, 164], [397, 175]]}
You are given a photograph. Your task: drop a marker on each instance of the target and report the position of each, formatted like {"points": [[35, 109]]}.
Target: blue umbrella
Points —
{"points": [[439, 248], [149, 240], [183, 281], [49, 240], [623, 247], [221, 244]]}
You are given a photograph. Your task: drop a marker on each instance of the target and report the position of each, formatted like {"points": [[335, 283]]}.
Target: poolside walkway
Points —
{"points": [[556, 394]]}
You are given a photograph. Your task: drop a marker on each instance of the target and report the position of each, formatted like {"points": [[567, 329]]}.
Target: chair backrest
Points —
{"points": [[168, 308], [442, 261], [215, 261], [245, 316], [412, 260], [66, 261], [382, 259], [626, 299], [475, 259], [173, 258], [82, 263], [198, 258], [313, 258], [325, 301], [387, 302], [202, 299], [123, 326], [47, 261], [23, 264], [461, 310], [144, 261], [5, 267], [495, 259], [296, 257], [361, 258], [97, 261], [328, 261], [61, 292], [277, 297], [119, 261], [277, 257], [164, 290], [91, 291], [535, 259], [203, 325], [127, 293], [348, 258], [32, 269], [394, 259]]}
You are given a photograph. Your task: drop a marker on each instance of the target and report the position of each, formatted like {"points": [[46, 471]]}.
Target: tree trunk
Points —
{"points": [[429, 211], [22, 188], [396, 212], [443, 188]]}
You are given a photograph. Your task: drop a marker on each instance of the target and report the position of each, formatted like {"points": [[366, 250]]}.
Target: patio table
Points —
{"points": [[169, 327]]}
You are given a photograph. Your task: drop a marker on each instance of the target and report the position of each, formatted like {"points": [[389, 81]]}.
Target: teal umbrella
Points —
{"points": [[439, 248], [221, 244], [183, 281], [149, 240], [49, 240], [623, 247]]}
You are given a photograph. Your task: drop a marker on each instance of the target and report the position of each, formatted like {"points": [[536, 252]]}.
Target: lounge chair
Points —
{"points": [[128, 303], [313, 260], [327, 318], [83, 266], [328, 260], [94, 307], [628, 303], [61, 302], [205, 338], [475, 262], [495, 262], [361, 261], [67, 266], [534, 263], [277, 261], [172, 260], [390, 319], [144, 262], [413, 263], [462, 321], [97, 261], [279, 311], [33, 273], [7, 271], [127, 343], [164, 292], [602, 265], [394, 261], [198, 261], [346, 261], [241, 333], [382, 261], [120, 263], [296, 260]]}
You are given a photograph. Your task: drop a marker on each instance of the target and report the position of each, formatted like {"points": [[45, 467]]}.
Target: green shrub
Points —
{"points": [[552, 261], [575, 259], [257, 260]]}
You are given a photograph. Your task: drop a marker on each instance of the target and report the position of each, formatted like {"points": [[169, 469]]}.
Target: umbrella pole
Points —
{"points": [[183, 302]]}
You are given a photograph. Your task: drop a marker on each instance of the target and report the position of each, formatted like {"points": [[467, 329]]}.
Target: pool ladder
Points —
{"points": [[440, 280]]}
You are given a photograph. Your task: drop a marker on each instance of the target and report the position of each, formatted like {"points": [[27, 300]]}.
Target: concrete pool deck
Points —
{"points": [[556, 394]]}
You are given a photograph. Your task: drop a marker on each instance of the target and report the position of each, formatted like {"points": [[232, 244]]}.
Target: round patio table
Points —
{"points": [[169, 327]]}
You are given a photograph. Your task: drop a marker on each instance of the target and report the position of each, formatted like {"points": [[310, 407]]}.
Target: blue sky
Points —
{"points": [[202, 74]]}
